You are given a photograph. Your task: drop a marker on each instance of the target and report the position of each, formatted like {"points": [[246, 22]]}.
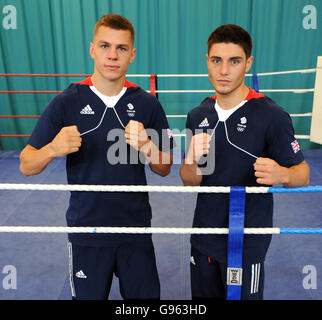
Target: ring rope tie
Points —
{"points": [[237, 198], [255, 82], [153, 84]]}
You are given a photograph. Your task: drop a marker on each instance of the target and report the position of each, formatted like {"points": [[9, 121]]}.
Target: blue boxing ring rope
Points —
{"points": [[295, 190]]}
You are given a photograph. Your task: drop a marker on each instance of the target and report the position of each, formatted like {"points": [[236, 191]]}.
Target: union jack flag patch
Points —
{"points": [[169, 133], [295, 146]]}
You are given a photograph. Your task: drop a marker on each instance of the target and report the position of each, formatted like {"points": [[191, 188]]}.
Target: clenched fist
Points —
{"points": [[199, 146], [67, 141], [269, 172], [136, 135]]}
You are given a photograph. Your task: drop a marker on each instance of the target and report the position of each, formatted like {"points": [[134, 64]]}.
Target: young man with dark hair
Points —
{"points": [[102, 125], [247, 140]]}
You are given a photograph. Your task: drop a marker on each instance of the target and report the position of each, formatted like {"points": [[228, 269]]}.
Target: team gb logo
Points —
{"points": [[242, 125]]}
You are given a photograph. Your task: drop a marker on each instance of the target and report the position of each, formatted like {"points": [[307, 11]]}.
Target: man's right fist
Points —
{"points": [[199, 146], [67, 141]]}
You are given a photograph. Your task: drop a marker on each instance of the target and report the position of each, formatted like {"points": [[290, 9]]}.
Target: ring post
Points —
{"points": [[235, 242], [316, 129]]}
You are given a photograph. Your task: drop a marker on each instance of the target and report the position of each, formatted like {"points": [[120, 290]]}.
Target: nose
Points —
{"points": [[224, 68], [112, 53]]}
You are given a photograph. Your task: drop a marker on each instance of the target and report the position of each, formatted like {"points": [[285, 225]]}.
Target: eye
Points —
{"points": [[122, 49], [216, 60], [235, 61], [104, 46]]}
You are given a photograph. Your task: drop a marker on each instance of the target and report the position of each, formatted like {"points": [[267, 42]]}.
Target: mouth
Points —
{"points": [[111, 67], [223, 81]]}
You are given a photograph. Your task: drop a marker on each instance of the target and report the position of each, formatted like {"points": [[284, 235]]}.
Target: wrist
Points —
{"points": [[286, 177], [190, 163], [190, 159], [50, 150], [146, 148]]}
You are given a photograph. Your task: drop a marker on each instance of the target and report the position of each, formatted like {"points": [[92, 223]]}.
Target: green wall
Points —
{"points": [[53, 36]]}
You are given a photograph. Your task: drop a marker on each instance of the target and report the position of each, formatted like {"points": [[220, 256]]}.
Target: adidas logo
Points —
{"points": [[81, 274], [87, 110], [204, 123]]}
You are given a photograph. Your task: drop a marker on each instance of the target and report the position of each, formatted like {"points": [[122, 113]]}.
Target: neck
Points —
{"points": [[108, 87], [229, 101]]}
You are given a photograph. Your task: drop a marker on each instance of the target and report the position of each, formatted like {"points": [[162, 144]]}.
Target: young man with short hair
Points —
{"points": [[247, 140], [102, 125]]}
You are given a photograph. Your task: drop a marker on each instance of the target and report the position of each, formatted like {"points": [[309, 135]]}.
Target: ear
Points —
{"points": [[133, 53], [207, 59], [249, 63], [91, 50]]}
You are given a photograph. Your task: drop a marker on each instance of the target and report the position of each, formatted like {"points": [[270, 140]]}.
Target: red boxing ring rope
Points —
{"points": [[153, 87]]}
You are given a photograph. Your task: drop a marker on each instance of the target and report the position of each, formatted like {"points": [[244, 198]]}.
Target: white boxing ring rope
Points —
{"points": [[212, 91], [149, 188], [296, 91]]}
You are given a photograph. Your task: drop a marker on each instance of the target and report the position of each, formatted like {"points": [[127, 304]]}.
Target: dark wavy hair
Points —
{"points": [[231, 33]]}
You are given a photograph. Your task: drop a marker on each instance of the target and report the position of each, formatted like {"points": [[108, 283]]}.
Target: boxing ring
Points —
{"points": [[33, 235]]}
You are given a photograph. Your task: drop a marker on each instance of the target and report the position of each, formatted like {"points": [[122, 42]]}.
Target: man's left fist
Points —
{"points": [[136, 135]]}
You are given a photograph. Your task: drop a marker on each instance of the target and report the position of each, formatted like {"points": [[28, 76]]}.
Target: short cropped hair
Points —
{"points": [[115, 21], [231, 33]]}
